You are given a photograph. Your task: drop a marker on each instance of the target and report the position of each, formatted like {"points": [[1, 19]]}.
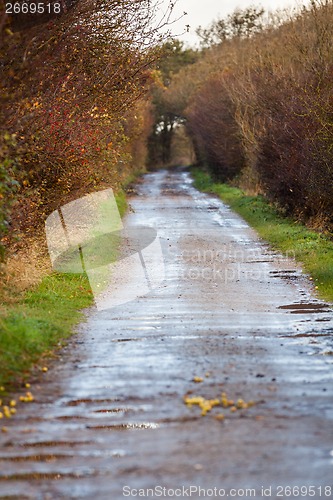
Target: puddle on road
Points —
{"points": [[144, 328], [319, 342]]}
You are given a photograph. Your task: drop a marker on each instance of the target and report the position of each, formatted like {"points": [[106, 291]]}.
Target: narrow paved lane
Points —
{"points": [[109, 414]]}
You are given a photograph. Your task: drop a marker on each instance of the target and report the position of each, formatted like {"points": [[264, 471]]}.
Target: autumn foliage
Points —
{"points": [[74, 110], [258, 106]]}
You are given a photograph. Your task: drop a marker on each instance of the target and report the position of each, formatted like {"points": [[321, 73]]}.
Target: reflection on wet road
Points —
{"points": [[110, 412]]}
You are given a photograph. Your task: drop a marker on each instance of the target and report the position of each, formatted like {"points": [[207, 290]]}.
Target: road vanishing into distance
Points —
{"points": [[216, 383]]}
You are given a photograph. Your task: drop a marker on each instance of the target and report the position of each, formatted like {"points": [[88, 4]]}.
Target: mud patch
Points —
{"points": [[306, 308], [37, 476], [35, 458], [124, 427], [180, 420], [114, 410], [77, 402], [306, 335], [265, 261], [71, 417], [14, 497], [50, 444], [126, 340], [286, 274]]}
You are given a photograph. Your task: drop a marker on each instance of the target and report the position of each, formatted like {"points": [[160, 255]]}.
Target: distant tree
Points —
{"points": [[241, 24], [174, 58]]}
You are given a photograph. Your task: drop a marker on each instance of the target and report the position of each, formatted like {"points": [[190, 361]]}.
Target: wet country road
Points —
{"points": [[109, 416]]}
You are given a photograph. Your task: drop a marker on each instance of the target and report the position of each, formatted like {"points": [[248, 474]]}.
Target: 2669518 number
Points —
{"points": [[303, 491], [33, 8]]}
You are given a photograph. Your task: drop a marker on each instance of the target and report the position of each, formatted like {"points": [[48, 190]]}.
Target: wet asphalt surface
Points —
{"points": [[109, 416]]}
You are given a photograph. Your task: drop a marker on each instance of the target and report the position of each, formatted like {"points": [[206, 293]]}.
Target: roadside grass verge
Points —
{"points": [[35, 322], [39, 322], [313, 250]]}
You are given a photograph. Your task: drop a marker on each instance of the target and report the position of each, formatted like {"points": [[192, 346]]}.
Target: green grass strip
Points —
{"points": [[42, 319], [313, 250]]}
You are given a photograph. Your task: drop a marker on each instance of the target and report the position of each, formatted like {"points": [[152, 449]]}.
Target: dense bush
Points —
{"points": [[73, 94], [212, 125], [8, 184], [258, 106]]}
